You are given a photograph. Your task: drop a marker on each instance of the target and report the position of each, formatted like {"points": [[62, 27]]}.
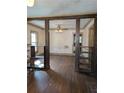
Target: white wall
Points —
{"points": [[61, 42], [58, 41], [40, 35], [90, 33], [85, 33]]}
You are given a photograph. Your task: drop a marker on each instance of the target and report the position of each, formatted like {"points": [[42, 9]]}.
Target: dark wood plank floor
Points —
{"points": [[61, 78]]}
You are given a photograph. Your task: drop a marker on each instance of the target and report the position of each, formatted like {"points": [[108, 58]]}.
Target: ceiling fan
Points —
{"points": [[59, 28]]}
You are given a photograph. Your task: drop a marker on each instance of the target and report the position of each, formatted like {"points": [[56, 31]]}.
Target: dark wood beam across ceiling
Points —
{"points": [[63, 17]]}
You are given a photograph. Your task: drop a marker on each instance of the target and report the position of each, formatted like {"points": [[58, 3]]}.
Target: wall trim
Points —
{"points": [[63, 54]]}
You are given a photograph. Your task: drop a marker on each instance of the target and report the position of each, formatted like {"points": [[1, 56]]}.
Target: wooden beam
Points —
{"points": [[95, 47], [47, 50], [63, 17], [36, 26], [94, 51], [77, 45]]}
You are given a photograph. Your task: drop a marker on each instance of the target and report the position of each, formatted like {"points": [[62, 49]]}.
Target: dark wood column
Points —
{"points": [[47, 50], [94, 53], [32, 51], [95, 46], [77, 46]]}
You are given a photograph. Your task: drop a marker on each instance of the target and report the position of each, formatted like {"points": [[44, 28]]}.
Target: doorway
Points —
{"points": [[61, 37], [36, 44], [77, 47]]}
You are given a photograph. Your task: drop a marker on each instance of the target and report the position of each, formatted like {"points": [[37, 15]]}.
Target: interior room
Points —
{"points": [[62, 46]]}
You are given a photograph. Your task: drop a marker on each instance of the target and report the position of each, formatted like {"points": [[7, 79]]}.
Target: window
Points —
{"points": [[74, 41], [34, 40]]}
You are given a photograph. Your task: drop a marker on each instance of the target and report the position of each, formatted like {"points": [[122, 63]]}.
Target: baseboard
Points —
{"points": [[62, 54]]}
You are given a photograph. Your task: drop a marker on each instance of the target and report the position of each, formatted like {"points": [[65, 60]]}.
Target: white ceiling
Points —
{"points": [[62, 7]]}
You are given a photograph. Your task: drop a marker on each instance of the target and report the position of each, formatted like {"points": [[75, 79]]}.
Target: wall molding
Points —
{"points": [[62, 54]]}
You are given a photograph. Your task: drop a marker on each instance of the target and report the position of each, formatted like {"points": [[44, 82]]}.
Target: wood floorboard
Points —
{"points": [[61, 78]]}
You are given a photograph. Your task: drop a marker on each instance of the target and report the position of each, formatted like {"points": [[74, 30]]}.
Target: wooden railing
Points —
{"points": [[34, 56], [86, 59]]}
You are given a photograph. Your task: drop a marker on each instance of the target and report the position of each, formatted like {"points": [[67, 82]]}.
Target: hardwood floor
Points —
{"points": [[61, 78]]}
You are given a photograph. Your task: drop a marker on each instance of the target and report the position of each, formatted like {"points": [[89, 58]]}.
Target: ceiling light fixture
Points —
{"points": [[59, 29], [30, 3]]}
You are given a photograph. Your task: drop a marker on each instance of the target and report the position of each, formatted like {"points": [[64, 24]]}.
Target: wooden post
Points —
{"points": [[94, 50], [77, 46], [32, 51], [45, 58], [32, 56], [47, 50], [95, 46]]}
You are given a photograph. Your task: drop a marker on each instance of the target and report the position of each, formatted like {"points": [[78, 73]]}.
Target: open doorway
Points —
{"points": [[86, 55], [35, 44], [64, 40], [61, 34], [61, 37], [66, 58]]}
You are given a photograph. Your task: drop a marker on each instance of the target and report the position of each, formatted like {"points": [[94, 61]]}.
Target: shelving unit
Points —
{"points": [[85, 59]]}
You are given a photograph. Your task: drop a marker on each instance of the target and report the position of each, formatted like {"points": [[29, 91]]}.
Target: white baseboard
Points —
{"points": [[63, 54]]}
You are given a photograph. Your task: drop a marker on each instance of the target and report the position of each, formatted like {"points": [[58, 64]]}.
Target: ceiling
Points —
{"points": [[61, 7], [44, 8], [67, 24]]}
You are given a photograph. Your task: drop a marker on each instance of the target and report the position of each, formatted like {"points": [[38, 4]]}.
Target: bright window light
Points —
{"points": [[30, 3]]}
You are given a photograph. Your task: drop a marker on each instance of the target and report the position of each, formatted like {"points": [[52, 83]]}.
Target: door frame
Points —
{"points": [[47, 39]]}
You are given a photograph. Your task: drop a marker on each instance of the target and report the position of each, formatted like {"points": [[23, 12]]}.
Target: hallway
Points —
{"points": [[61, 78]]}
